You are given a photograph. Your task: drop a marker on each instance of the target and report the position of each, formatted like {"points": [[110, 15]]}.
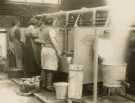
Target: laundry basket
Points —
{"points": [[61, 89]]}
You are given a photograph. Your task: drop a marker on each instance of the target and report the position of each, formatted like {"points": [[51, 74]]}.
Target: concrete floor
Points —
{"points": [[8, 92], [50, 98], [111, 99]]}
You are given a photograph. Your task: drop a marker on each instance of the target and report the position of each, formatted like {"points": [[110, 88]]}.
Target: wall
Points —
{"points": [[6, 21]]}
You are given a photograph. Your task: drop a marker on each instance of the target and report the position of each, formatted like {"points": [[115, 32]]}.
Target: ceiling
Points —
{"points": [[26, 9]]}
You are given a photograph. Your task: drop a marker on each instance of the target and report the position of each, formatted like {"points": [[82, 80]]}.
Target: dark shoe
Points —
{"points": [[50, 88], [41, 85]]}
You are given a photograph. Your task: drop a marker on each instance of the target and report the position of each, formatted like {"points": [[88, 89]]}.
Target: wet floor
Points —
{"points": [[9, 92]]}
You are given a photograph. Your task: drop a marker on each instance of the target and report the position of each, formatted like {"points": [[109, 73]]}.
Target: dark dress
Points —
{"points": [[37, 55], [29, 58], [31, 52]]}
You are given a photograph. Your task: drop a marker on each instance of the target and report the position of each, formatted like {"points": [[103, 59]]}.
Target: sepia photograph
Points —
{"points": [[67, 51]]}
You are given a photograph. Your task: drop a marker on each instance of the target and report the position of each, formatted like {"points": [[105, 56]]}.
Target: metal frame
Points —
{"points": [[95, 89]]}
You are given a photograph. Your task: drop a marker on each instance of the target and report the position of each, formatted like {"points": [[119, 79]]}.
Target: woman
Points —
{"points": [[15, 47], [49, 54], [30, 62]]}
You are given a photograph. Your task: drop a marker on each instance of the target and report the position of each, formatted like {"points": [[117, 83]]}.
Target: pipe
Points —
{"points": [[95, 88], [76, 11]]}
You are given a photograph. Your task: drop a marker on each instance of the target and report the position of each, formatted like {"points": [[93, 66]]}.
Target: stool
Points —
{"points": [[111, 88]]}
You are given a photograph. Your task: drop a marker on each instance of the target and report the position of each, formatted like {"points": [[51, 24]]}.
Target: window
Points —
{"points": [[38, 1], [72, 19], [18, 0], [61, 20], [101, 18], [34, 1], [86, 19], [51, 1]]}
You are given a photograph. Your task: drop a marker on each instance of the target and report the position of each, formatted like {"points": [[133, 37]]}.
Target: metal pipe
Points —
{"points": [[77, 11], [95, 88]]}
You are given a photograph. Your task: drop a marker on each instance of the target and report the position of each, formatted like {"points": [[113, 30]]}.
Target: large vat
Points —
{"points": [[83, 51], [113, 74]]}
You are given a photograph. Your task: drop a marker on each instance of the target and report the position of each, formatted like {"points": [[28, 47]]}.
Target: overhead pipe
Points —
{"points": [[82, 10]]}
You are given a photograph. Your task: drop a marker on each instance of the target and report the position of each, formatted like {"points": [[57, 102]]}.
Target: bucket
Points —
{"points": [[61, 89], [113, 74]]}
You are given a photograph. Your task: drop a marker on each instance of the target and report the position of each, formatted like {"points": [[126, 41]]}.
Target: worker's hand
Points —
{"points": [[59, 56], [39, 41]]}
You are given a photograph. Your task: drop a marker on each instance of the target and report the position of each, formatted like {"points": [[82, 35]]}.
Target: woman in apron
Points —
{"points": [[49, 54]]}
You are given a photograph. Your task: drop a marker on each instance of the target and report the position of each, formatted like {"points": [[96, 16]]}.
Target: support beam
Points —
{"points": [[95, 88]]}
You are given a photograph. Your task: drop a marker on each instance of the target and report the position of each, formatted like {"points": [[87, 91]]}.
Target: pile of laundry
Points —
{"points": [[29, 85]]}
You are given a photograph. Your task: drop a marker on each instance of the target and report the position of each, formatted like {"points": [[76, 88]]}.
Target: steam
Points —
{"points": [[122, 17]]}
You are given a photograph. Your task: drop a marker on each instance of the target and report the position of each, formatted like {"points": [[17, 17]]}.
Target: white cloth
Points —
{"points": [[52, 33], [49, 59]]}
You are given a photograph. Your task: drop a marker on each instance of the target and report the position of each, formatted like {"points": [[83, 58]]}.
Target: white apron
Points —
{"points": [[49, 59]]}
